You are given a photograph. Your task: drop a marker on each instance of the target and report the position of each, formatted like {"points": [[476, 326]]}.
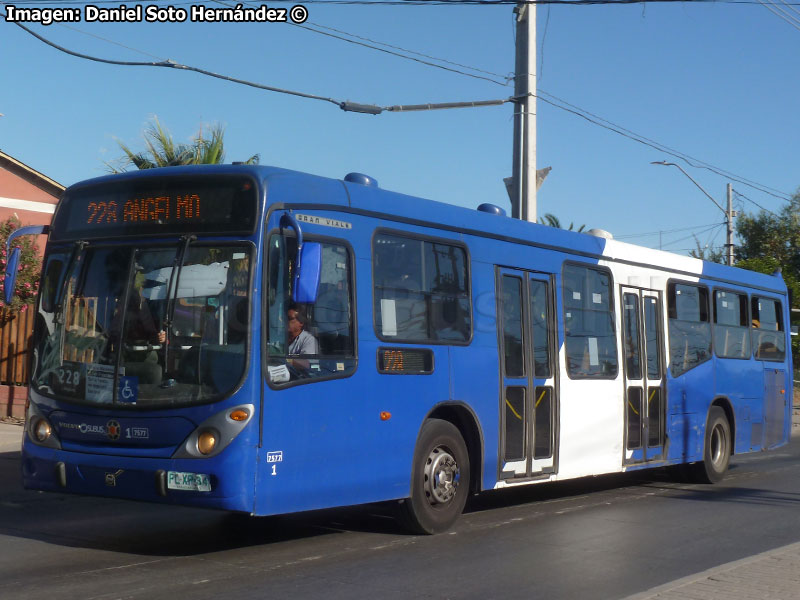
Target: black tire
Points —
{"points": [[440, 479], [716, 449]]}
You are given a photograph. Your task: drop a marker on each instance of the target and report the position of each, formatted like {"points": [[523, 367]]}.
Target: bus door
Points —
{"points": [[644, 375], [528, 402]]}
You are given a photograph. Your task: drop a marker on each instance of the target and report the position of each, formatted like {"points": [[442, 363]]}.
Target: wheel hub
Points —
{"points": [[441, 476], [718, 445]]}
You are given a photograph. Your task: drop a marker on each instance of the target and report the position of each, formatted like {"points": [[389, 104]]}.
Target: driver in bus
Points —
{"points": [[142, 337], [300, 341]]}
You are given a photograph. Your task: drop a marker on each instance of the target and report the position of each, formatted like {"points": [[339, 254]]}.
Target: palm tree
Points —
{"points": [[552, 221], [162, 151]]}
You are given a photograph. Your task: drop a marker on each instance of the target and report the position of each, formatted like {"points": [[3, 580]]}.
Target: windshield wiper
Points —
{"points": [[58, 317], [172, 294], [77, 249]]}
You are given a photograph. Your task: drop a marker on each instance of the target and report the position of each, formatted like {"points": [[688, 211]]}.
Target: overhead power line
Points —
{"points": [[424, 62], [345, 105], [664, 231], [743, 197], [432, 2], [781, 13], [350, 106]]}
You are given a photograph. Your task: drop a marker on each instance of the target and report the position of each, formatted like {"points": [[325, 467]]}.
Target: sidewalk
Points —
{"points": [[774, 574], [10, 437]]}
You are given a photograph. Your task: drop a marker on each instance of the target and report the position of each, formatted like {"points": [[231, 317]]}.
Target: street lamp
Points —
{"points": [[729, 214]]}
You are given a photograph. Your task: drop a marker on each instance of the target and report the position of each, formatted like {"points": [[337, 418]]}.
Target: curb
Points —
{"points": [[770, 574]]}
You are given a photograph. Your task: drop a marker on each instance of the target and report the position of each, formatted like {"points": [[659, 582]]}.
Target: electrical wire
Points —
{"points": [[781, 14], [346, 105], [435, 2], [373, 109], [174, 65], [740, 195], [424, 62], [691, 161], [790, 7], [693, 235], [651, 233], [366, 39]]}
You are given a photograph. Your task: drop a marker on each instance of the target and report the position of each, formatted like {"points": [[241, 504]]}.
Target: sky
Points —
{"points": [[714, 81]]}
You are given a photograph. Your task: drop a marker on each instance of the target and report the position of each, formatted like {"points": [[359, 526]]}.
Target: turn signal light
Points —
{"points": [[206, 442], [239, 415], [42, 430]]}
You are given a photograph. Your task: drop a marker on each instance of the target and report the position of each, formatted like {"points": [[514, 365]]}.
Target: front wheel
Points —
{"points": [[439, 479], [717, 448]]}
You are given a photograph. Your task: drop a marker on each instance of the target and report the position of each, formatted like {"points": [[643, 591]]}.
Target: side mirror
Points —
{"points": [[11, 275], [308, 273], [13, 257], [308, 267]]}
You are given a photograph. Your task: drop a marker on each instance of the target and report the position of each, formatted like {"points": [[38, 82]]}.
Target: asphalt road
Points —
{"points": [[605, 537]]}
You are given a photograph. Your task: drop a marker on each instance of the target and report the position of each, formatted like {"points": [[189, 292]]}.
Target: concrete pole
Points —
{"points": [[523, 205], [729, 218]]}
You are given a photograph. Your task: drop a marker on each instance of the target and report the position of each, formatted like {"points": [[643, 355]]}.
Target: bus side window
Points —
{"points": [[731, 335], [590, 338], [769, 340], [421, 290], [689, 327], [329, 320]]}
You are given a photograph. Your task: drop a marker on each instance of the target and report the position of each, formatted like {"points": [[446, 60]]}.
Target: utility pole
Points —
{"points": [[523, 187], [729, 218], [729, 214]]}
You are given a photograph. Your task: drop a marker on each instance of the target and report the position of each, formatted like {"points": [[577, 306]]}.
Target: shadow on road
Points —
{"points": [[165, 530], [161, 530]]}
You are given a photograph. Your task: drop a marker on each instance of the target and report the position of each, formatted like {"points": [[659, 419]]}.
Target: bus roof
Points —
{"points": [[294, 188]]}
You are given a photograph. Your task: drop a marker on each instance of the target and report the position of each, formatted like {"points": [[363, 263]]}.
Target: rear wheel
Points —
{"points": [[439, 479], [717, 448]]}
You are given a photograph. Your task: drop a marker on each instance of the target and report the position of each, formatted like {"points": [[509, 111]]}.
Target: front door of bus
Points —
{"points": [[644, 375], [528, 402]]}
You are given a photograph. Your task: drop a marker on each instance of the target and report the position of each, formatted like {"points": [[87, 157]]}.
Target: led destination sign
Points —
{"points": [[162, 206], [159, 209]]}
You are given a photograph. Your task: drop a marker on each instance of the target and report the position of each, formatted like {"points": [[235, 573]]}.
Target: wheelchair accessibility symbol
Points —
{"points": [[128, 389]]}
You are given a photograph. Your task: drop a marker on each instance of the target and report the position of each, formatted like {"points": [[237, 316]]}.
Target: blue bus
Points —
{"points": [[266, 341]]}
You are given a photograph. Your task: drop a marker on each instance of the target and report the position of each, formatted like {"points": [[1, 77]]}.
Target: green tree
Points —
{"points": [[163, 151], [770, 241], [30, 265], [772, 235], [711, 254]]}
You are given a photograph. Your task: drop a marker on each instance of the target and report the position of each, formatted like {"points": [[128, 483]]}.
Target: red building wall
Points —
{"points": [[31, 197]]}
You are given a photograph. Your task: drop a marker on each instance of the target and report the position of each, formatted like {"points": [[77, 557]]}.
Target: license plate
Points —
{"points": [[193, 482]]}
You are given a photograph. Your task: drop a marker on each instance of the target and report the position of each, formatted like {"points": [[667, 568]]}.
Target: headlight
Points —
{"points": [[207, 441], [41, 430]]}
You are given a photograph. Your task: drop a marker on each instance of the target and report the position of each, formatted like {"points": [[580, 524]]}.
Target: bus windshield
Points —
{"points": [[143, 326]]}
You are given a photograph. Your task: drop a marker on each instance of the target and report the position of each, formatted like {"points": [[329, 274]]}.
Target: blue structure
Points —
{"points": [[434, 351]]}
